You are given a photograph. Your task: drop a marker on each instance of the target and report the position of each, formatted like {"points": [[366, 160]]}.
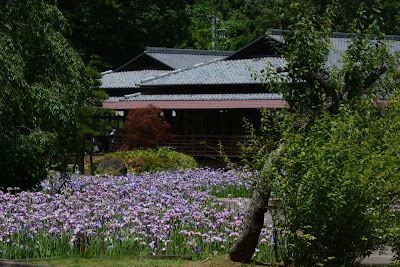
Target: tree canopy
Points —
{"points": [[328, 167], [44, 86], [108, 33]]}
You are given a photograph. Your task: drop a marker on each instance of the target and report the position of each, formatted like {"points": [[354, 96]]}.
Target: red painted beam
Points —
{"points": [[215, 104]]}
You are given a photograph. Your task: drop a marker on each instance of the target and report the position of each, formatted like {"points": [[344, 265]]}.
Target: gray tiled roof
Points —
{"points": [[127, 79], [340, 43], [182, 61], [217, 72], [196, 97], [176, 58]]}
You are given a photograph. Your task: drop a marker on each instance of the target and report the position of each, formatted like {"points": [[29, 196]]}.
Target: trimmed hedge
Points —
{"points": [[150, 160]]}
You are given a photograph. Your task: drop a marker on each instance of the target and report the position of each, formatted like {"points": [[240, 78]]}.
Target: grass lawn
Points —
{"points": [[75, 261]]}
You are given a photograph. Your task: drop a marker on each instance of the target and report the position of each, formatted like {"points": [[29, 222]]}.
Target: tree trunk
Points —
{"points": [[244, 247], [91, 164], [81, 163]]}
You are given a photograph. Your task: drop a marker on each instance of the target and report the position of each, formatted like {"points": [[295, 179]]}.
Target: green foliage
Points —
{"points": [[338, 173], [93, 120], [149, 160], [260, 142], [44, 85], [244, 21], [108, 33], [306, 50], [346, 11], [337, 182], [231, 191]]}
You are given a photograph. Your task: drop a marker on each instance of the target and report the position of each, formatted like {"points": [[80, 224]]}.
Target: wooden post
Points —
{"points": [[78, 243], [275, 238], [82, 237], [102, 245], [91, 163], [81, 162]]}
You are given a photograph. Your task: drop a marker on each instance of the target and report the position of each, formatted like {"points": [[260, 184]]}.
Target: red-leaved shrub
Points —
{"points": [[146, 128]]}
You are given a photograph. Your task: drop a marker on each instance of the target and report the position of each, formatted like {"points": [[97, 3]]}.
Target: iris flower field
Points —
{"points": [[147, 214]]}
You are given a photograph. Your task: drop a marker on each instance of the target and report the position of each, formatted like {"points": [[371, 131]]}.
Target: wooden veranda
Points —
{"points": [[195, 145]]}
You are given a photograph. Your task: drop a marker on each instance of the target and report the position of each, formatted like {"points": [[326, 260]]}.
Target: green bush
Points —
{"points": [[337, 182], [150, 160]]}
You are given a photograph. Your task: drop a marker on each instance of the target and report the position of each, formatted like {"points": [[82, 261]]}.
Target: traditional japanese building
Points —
{"points": [[206, 94]]}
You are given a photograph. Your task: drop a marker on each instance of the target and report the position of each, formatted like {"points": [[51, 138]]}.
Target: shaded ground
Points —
{"points": [[224, 261], [219, 261]]}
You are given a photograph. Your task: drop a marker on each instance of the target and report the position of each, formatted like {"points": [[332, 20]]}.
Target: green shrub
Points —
{"points": [[337, 183], [150, 160]]}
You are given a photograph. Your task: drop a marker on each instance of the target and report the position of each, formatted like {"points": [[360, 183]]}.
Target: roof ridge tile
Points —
{"points": [[181, 70], [187, 51]]}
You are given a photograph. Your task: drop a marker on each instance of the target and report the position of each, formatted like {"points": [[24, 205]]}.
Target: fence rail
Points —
{"points": [[208, 145], [195, 145]]}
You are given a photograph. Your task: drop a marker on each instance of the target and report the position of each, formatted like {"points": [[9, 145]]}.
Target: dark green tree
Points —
{"points": [[314, 92], [347, 11], [247, 20], [93, 122], [244, 21], [44, 86], [108, 33]]}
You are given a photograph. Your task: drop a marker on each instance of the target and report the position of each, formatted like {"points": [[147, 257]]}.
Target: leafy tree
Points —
{"points": [[244, 21], [93, 121], [347, 11], [337, 182], [317, 93], [108, 33], [247, 20], [43, 88], [146, 128]]}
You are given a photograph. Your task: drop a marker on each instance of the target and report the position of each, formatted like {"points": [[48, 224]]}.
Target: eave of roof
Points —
{"points": [[139, 96], [224, 104]]}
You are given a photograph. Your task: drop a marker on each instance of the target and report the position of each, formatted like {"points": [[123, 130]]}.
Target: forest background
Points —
{"points": [[108, 33]]}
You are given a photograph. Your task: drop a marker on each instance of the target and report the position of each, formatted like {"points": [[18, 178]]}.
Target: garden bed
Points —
{"points": [[147, 214]]}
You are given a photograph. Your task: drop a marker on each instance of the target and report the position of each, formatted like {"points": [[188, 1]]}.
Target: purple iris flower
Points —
{"points": [[197, 249], [153, 245]]}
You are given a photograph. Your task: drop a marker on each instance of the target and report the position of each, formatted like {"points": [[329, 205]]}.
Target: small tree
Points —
{"points": [[92, 122], [146, 128]]}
